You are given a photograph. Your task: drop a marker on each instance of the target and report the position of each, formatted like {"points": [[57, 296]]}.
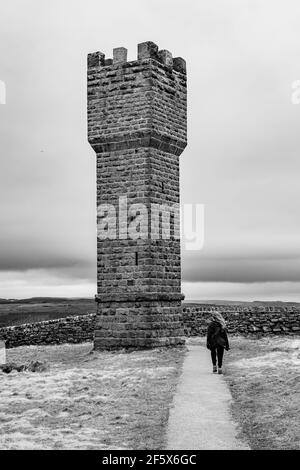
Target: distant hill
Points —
{"points": [[43, 300], [19, 311], [53, 300], [36, 309]]}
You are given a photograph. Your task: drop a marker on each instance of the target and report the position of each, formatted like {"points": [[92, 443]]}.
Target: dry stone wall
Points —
{"points": [[246, 321], [75, 329], [255, 322]]}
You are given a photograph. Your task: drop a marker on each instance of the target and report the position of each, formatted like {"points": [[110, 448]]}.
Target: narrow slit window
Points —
{"points": [[136, 258], [172, 226]]}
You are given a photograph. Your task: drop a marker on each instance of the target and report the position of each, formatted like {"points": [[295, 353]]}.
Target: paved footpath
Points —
{"points": [[200, 418]]}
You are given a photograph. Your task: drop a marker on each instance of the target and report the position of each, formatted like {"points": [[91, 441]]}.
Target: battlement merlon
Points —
{"points": [[141, 103], [146, 50]]}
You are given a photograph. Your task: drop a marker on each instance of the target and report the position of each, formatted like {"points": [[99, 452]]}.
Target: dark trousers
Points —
{"points": [[217, 352]]}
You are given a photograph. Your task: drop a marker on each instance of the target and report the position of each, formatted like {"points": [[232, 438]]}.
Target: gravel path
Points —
{"points": [[200, 418]]}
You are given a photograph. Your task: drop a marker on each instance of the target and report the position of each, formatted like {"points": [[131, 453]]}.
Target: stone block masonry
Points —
{"points": [[137, 126]]}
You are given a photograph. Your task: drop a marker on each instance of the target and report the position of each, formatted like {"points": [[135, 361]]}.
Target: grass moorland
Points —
{"points": [[264, 379], [17, 313], [88, 400], [105, 400]]}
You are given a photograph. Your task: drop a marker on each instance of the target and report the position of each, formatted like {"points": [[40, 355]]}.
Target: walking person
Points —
{"points": [[217, 340]]}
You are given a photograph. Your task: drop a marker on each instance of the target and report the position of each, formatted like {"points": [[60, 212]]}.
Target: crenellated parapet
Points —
{"points": [[140, 103], [146, 50]]}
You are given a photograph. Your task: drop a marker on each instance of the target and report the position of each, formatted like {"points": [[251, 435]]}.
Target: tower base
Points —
{"points": [[139, 323]]}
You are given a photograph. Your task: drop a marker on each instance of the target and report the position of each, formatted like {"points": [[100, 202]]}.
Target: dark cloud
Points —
{"points": [[242, 158], [56, 262], [241, 270]]}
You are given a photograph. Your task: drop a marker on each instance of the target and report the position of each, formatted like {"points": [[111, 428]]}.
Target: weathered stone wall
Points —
{"points": [[65, 330], [244, 321], [137, 126]]}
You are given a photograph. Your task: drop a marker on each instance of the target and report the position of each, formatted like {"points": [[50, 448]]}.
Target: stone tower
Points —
{"points": [[137, 127]]}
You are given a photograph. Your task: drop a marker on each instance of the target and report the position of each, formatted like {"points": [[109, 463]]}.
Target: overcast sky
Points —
{"points": [[242, 159]]}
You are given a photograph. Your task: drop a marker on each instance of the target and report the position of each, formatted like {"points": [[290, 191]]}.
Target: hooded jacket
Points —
{"points": [[216, 336]]}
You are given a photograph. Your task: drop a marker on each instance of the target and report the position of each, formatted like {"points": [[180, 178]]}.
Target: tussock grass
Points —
{"points": [[264, 378], [88, 400]]}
